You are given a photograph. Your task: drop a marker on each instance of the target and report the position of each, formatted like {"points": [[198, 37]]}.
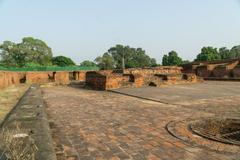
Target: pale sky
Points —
{"points": [[85, 29]]}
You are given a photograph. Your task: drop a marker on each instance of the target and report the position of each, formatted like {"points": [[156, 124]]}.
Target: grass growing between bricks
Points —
{"points": [[17, 144]]}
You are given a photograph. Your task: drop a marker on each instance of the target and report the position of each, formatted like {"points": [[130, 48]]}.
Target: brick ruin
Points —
{"points": [[8, 78], [215, 69], [137, 77], [102, 80]]}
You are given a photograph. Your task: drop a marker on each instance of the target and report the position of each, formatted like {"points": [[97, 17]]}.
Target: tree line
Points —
{"points": [[33, 52]]}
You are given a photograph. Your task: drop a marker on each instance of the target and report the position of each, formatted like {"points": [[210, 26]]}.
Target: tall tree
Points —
{"points": [[62, 61], [120, 54], [224, 53], [37, 51], [125, 56], [105, 62], [30, 50], [235, 52], [172, 59], [208, 54], [11, 55]]}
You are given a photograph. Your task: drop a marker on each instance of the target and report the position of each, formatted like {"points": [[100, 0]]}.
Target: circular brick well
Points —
{"points": [[219, 134], [221, 130]]}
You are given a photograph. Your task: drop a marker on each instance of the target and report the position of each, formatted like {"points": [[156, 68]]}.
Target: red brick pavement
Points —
{"points": [[90, 125]]}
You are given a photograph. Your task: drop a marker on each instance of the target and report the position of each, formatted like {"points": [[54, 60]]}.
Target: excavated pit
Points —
{"points": [[221, 130]]}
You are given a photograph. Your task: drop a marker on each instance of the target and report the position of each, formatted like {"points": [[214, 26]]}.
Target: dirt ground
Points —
{"points": [[9, 97], [90, 124]]}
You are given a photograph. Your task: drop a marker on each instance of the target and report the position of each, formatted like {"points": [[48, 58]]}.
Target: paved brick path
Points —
{"points": [[103, 125]]}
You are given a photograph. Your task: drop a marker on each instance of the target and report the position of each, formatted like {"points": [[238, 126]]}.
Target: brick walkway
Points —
{"points": [[103, 125]]}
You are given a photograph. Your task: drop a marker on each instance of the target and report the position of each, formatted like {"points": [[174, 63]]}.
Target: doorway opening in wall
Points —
{"points": [[152, 84], [23, 79], [51, 77], [12, 80], [72, 76], [184, 77], [131, 78], [231, 74]]}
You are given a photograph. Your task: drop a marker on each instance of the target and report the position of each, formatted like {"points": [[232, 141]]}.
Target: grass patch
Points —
{"points": [[17, 144]]}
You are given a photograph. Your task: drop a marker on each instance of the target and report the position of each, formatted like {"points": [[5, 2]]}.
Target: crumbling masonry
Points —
{"points": [[137, 77]]}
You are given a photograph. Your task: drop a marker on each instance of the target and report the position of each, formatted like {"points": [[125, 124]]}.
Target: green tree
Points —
{"points": [[130, 57], [235, 52], [62, 61], [185, 61], [165, 60], [208, 54], [88, 64], [37, 51], [224, 53], [172, 59], [120, 54], [153, 62], [10, 54], [105, 62], [30, 50]]}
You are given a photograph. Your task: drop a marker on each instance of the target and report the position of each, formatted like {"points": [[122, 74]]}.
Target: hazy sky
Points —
{"points": [[84, 29]]}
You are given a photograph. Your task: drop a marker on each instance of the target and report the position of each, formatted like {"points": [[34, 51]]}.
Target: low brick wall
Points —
{"points": [[107, 80], [62, 77], [37, 77], [214, 69], [221, 71], [8, 78], [81, 76], [29, 115], [95, 80], [155, 70], [202, 71], [236, 72]]}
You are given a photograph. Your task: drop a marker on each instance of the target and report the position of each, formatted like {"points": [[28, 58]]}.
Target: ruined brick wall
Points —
{"points": [[37, 77], [156, 70], [236, 72], [138, 80], [224, 70], [81, 76], [106, 80], [218, 69], [190, 77], [149, 75], [137, 77], [221, 72], [47, 77], [12, 78], [95, 80], [115, 81], [231, 66], [202, 71], [9, 78], [62, 78]]}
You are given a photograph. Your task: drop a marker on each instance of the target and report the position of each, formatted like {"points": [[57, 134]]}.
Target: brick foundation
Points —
{"points": [[37, 77], [236, 72], [136, 77], [214, 69], [221, 72], [8, 78]]}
